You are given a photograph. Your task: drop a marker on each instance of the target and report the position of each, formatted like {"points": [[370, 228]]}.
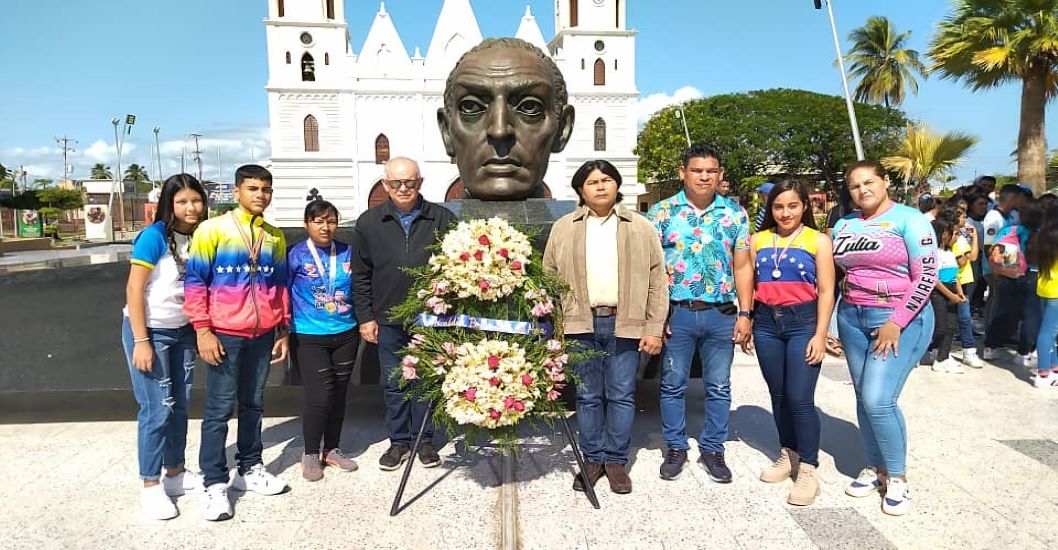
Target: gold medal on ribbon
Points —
{"points": [[331, 307]]}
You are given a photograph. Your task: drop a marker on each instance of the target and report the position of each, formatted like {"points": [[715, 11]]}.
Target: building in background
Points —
{"points": [[337, 114]]}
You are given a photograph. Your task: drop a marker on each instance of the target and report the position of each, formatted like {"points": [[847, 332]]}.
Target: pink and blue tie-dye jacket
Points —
{"points": [[890, 260]]}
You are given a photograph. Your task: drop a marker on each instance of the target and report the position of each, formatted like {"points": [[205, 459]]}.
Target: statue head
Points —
{"points": [[505, 111]]}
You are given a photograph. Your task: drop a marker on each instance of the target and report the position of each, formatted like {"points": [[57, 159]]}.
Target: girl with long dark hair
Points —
{"points": [[1046, 375], [160, 344], [794, 299]]}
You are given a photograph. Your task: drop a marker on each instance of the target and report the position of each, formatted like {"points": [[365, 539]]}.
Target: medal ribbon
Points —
{"points": [[775, 246], [253, 246], [329, 285]]}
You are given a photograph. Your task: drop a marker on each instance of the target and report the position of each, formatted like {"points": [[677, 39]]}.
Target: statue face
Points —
{"points": [[503, 126]]}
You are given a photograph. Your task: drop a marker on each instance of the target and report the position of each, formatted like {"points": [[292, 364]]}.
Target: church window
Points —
{"points": [[327, 59], [600, 72], [600, 134], [615, 64], [312, 134], [330, 9], [288, 58], [308, 68], [282, 8], [617, 14], [381, 149], [582, 63], [573, 13]]}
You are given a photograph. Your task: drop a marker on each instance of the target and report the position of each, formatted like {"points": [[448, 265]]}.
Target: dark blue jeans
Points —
{"points": [[238, 379], [966, 325], [709, 332], [402, 415], [1016, 300], [606, 393], [781, 335]]}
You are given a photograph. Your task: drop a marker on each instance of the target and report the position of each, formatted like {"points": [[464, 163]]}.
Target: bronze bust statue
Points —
{"points": [[506, 109]]}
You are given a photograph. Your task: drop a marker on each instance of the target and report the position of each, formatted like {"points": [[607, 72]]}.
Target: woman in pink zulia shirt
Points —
{"points": [[889, 254]]}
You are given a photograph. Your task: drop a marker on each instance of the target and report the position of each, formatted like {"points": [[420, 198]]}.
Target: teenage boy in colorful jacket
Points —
{"points": [[235, 294]]}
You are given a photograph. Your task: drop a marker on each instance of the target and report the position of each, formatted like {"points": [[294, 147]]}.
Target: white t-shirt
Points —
{"points": [[164, 293], [993, 222]]}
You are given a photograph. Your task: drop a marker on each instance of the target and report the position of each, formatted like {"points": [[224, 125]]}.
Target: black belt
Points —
{"points": [[696, 305], [604, 311]]}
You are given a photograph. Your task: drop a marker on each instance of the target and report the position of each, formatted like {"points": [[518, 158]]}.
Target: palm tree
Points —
{"points": [[884, 66], [986, 43], [136, 173], [101, 172], [923, 155]]}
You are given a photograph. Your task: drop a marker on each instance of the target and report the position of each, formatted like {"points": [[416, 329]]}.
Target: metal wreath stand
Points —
{"points": [[589, 490]]}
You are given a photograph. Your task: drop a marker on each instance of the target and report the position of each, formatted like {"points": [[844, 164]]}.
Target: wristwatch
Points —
{"points": [[746, 314]]}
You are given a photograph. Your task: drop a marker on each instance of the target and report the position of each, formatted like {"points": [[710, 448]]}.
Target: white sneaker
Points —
{"points": [[1049, 381], [990, 354], [865, 484], [183, 483], [970, 359], [259, 481], [217, 506], [1028, 360], [897, 499], [154, 504], [954, 367]]}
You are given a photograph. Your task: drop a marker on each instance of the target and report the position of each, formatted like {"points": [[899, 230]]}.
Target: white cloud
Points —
{"points": [[648, 105]]}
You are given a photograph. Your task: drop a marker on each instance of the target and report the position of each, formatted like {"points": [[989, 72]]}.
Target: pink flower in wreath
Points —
{"points": [[516, 265], [478, 254], [483, 284], [508, 402], [494, 381], [416, 341], [553, 395], [494, 414], [494, 362], [484, 240], [503, 253], [542, 309], [527, 379], [408, 373], [439, 360], [449, 348], [471, 394], [409, 361], [465, 257], [519, 406]]}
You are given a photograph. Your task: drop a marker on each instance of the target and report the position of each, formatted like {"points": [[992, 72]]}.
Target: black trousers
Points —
{"points": [[326, 363], [947, 316]]}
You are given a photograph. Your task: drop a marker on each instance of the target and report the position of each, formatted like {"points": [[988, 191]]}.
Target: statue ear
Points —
{"points": [[446, 136], [565, 121]]}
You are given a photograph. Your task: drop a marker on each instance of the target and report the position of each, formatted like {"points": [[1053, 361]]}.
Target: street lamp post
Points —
{"points": [[119, 140], [844, 79], [683, 118], [158, 153]]}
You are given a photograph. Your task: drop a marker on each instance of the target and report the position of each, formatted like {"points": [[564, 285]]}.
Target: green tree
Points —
{"points": [[987, 43], [923, 156], [42, 183], [882, 63], [767, 133], [101, 172], [138, 174]]}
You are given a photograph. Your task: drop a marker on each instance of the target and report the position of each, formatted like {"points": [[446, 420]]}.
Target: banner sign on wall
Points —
{"points": [[29, 224]]}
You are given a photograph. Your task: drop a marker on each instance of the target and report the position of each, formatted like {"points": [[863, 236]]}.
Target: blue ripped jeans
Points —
{"points": [[162, 394], [878, 381]]}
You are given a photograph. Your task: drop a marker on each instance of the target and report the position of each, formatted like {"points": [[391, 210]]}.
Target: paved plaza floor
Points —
{"points": [[983, 468]]}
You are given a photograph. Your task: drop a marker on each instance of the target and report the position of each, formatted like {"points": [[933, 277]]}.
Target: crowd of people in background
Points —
{"points": [[897, 285]]}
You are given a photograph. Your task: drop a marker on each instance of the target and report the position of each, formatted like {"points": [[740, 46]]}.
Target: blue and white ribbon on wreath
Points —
{"points": [[483, 323]]}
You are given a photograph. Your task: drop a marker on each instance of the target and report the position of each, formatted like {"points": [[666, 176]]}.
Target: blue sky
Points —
{"points": [[199, 66]]}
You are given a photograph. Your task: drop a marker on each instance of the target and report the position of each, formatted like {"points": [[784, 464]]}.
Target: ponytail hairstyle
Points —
{"points": [[1047, 243], [318, 207], [167, 214]]}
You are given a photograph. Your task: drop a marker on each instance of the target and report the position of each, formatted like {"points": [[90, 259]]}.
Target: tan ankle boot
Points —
{"points": [[806, 488], [783, 468]]}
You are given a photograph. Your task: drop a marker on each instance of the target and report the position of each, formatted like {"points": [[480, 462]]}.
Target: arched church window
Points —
{"points": [[600, 134], [573, 13], [288, 58], [308, 68], [326, 58], [381, 149], [330, 9], [600, 72], [312, 134], [282, 8]]}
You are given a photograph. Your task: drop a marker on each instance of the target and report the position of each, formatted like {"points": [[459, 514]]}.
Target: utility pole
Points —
{"points": [[64, 144], [844, 80], [158, 153], [198, 154]]}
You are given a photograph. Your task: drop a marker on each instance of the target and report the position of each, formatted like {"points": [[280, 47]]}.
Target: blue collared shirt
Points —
{"points": [[406, 219]]}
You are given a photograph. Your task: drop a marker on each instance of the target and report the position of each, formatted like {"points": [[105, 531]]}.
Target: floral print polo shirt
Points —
{"points": [[699, 249]]}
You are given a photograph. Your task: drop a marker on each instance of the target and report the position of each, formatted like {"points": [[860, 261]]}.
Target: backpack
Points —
{"points": [[1007, 256]]}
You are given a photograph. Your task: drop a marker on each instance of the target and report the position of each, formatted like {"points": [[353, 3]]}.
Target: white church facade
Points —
{"points": [[336, 114]]}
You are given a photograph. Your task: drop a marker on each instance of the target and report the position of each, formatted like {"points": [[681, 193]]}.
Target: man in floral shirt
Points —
{"points": [[705, 237]]}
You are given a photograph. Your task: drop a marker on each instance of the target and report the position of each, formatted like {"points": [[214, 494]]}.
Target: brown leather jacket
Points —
{"points": [[643, 296]]}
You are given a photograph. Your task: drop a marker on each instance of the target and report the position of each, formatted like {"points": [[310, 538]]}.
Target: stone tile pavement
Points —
{"points": [[983, 465]]}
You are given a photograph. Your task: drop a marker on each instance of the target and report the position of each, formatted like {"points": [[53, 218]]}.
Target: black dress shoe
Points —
{"points": [[595, 472]]}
